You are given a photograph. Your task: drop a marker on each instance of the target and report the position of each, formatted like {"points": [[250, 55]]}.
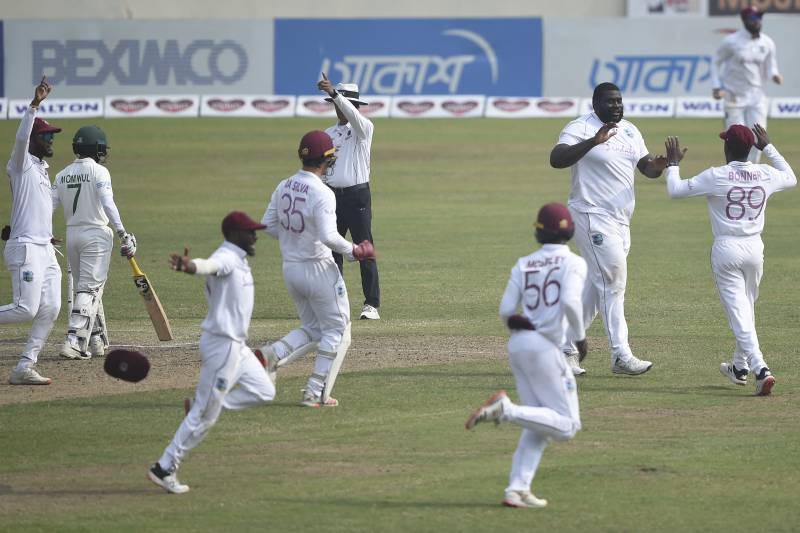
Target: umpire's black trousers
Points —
{"points": [[354, 214]]}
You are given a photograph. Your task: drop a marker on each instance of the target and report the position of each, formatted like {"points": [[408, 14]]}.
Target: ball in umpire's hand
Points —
{"points": [[127, 365]]}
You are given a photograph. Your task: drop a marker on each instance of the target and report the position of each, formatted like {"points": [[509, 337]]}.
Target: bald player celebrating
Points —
{"points": [[231, 376], [546, 285], [29, 254], [302, 216], [737, 195], [603, 150]]}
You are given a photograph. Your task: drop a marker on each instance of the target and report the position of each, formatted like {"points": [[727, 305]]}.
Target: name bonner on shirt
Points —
{"points": [[744, 175]]}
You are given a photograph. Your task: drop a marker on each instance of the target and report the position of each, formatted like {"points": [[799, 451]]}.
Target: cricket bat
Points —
{"points": [[151, 302]]}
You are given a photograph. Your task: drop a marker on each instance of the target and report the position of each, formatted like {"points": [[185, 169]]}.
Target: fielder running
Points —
{"points": [[547, 285], [603, 151], [745, 61], [230, 375], [29, 254], [737, 195], [302, 216], [84, 190]]}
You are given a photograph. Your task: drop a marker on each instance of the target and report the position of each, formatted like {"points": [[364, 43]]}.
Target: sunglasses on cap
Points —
{"points": [[47, 136]]}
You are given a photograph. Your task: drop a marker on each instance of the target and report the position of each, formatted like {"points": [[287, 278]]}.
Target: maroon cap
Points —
{"points": [[315, 145], [40, 125], [751, 12], [555, 218], [236, 220], [738, 138], [127, 365]]}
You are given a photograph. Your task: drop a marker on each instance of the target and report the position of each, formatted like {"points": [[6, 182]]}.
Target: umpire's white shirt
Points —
{"points": [[302, 215], [31, 206], [742, 65], [353, 142], [229, 293], [737, 193], [548, 284], [602, 180]]}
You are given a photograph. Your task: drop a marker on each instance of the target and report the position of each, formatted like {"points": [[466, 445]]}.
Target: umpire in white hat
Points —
{"points": [[352, 137]]}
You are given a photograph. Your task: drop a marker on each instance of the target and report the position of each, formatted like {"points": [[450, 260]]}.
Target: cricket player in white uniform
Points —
{"points": [[603, 151], [231, 376], [29, 253], [302, 216], [84, 190], [737, 195], [745, 61], [547, 286]]}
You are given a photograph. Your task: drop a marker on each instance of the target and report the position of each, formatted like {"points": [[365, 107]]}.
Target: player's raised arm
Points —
{"points": [[565, 155], [787, 179]]}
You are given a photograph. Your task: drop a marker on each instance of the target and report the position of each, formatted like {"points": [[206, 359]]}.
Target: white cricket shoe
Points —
{"points": [[369, 313], [28, 376], [269, 360], [764, 382], [96, 346], [166, 480], [491, 411], [315, 400], [632, 367], [523, 499], [737, 377], [574, 364], [71, 350]]}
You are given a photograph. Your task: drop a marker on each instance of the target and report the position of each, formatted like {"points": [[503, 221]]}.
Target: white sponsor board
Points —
{"points": [[377, 106], [639, 107], [3, 108], [59, 108], [175, 105], [667, 8], [314, 106], [453, 106], [524, 107], [699, 107], [260, 105], [670, 57], [99, 57], [784, 108]]}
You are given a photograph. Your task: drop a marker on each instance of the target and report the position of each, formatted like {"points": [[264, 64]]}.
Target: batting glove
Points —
{"points": [[518, 322], [127, 246], [363, 250]]}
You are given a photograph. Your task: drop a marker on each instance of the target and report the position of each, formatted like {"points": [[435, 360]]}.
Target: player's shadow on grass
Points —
{"points": [[606, 383]]}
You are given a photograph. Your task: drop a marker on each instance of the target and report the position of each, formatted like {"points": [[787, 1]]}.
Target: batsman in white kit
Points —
{"points": [[84, 190], [547, 286], [302, 216], [737, 195], [231, 376], [29, 252], [603, 151]]}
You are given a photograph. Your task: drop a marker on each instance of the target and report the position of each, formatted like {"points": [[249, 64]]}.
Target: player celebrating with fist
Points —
{"points": [[302, 216], [29, 254], [84, 190], [547, 286], [231, 376], [603, 150], [737, 194]]}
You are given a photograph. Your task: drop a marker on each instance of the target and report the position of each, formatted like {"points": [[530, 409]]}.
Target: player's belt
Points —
{"points": [[352, 188]]}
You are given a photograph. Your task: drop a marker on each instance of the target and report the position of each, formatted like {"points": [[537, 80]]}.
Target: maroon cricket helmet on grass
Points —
{"points": [[554, 219], [127, 365]]}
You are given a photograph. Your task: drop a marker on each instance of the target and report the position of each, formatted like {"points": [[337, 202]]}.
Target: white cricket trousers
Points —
{"points": [[36, 286], [230, 377], [738, 264], [549, 402], [89, 252], [747, 116], [604, 244]]}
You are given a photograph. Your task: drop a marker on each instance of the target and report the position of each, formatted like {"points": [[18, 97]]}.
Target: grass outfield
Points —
{"points": [[676, 449]]}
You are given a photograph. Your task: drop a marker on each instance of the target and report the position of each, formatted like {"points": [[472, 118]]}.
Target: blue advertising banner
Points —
{"points": [[498, 57]]}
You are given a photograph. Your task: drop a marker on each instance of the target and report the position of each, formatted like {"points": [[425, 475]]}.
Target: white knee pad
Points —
{"points": [[82, 317], [308, 345]]}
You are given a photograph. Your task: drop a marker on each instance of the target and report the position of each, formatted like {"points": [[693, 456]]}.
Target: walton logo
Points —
{"points": [[412, 74], [134, 62]]}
